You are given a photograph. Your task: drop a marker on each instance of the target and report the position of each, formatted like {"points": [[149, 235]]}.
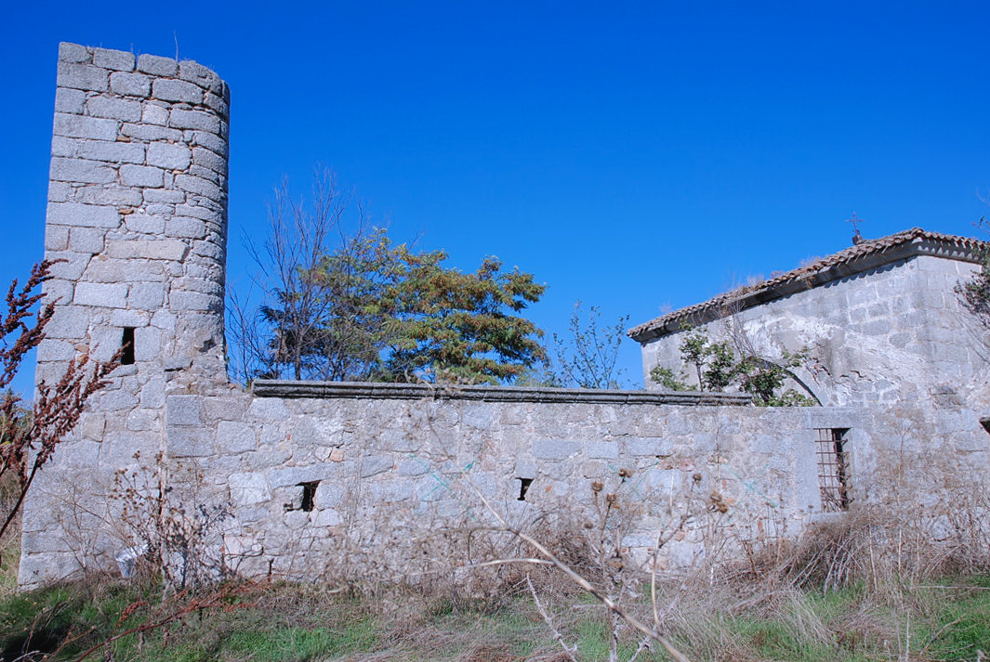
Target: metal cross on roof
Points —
{"points": [[855, 220]]}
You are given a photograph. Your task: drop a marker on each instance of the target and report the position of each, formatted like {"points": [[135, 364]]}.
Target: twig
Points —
{"points": [[584, 584], [568, 650]]}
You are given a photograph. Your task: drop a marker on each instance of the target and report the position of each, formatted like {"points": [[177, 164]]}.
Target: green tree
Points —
{"points": [[717, 368], [445, 325], [346, 304]]}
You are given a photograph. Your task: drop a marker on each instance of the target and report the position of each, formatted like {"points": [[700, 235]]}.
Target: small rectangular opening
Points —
{"points": [[127, 346], [524, 484], [833, 468], [985, 422], [308, 496]]}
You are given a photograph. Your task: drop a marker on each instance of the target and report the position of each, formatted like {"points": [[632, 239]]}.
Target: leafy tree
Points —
{"points": [[354, 306], [717, 369], [587, 356], [669, 380], [714, 364], [453, 326], [764, 379]]}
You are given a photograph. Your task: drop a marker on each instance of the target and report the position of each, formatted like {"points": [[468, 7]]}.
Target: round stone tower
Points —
{"points": [[137, 209], [137, 220]]}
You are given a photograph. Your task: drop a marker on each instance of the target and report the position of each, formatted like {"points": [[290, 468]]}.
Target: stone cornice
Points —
{"points": [[274, 388]]}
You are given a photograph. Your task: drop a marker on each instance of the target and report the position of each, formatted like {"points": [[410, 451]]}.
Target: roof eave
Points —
{"points": [[673, 322]]}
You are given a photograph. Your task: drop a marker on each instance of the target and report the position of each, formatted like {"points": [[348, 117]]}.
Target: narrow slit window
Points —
{"points": [[833, 468], [127, 346], [524, 484], [985, 422], [308, 502]]}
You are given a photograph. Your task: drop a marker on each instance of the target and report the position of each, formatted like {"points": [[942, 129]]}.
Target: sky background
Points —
{"points": [[636, 156]]}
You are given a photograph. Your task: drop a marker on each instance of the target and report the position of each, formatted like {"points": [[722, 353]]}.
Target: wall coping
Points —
{"points": [[279, 388]]}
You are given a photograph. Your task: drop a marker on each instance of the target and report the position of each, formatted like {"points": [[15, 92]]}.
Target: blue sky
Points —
{"points": [[637, 156]]}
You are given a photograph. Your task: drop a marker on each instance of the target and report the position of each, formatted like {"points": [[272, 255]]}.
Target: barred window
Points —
{"points": [[833, 468]]}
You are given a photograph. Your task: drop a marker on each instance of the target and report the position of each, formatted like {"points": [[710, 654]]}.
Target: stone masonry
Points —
{"points": [[310, 480]]}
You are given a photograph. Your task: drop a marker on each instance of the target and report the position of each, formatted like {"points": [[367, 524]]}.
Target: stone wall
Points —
{"points": [[397, 477]]}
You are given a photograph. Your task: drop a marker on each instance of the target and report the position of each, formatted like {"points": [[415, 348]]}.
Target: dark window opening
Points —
{"points": [[833, 468], [127, 346], [524, 484], [985, 422], [308, 496]]}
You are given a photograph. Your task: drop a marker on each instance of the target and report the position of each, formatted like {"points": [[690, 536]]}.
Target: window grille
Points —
{"points": [[833, 468]]}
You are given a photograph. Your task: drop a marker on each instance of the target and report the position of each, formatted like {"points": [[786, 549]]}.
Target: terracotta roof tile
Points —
{"points": [[807, 274]]}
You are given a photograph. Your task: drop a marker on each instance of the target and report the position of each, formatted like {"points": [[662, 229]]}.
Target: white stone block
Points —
{"points": [[81, 170], [146, 296], [236, 437], [77, 126], [112, 108], [147, 343], [137, 85], [116, 60], [144, 223], [68, 52], [199, 186], [94, 216], [69, 101], [134, 175], [149, 132], [155, 114], [110, 295], [118, 152], [249, 488], [158, 66], [83, 77], [171, 157], [176, 90], [70, 322], [167, 249], [194, 119], [87, 240], [181, 226], [56, 237], [108, 194]]}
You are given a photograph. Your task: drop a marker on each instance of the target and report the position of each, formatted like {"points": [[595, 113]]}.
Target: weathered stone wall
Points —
{"points": [[892, 334], [398, 476]]}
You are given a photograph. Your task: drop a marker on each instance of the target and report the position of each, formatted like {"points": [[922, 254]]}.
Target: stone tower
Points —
{"points": [[137, 208], [137, 218]]}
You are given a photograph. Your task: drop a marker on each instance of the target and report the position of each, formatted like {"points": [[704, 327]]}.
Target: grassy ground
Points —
{"points": [[947, 620]]}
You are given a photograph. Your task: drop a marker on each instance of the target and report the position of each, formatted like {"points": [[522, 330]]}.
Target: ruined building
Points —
{"points": [[294, 478]]}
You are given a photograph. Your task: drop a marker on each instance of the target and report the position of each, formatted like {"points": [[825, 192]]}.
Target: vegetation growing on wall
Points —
{"points": [[716, 367], [29, 436], [975, 293]]}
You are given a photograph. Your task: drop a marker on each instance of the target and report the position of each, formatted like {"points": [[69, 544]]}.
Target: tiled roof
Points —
{"points": [[866, 255]]}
